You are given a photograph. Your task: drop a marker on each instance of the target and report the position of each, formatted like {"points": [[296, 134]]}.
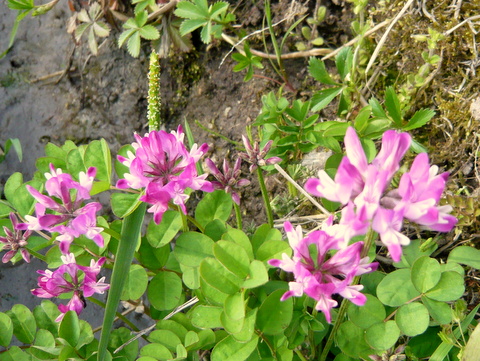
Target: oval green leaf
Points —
{"points": [[165, 290], [383, 335], [397, 288], [450, 287], [412, 319], [274, 315], [425, 273]]}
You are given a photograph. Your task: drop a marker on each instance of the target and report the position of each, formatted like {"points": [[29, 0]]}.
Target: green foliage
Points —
{"points": [[135, 30], [199, 14], [12, 142], [91, 22], [247, 61]]}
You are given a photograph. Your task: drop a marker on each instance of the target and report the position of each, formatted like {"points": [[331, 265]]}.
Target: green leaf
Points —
{"points": [[239, 237], [166, 338], [161, 234], [124, 36], [317, 70], [411, 253], [233, 257], [419, 119], [205, 316], [149, 32], [165, 290], [135, 284], [274, 315], [232, 350], [24, 325], [216, 205], [75, 163], [15, 142], [412, 319], [15, 354], [396, 288], [264, 233], [70, 328], [156, 351], [343, 61], [217, 276], [20, 4], [257, 275], [248, 330], [382, 336], [130, 234], [193, 247], [322, 98], [272, 250], [6, 325], [188, 10], [235, 306], [45, 315], [133, 44], [98, 155], [425, 273], [17, 194], [440, 311], [190, 25], [442, 351], [86, 334], [124, 204], [450, 287], [370, 313], [351, 340], [392, 104], [44, 347], [190, 276], [465, 255]]}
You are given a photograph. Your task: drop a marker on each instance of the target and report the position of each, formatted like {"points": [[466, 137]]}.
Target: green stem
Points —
{"points": [[118, 314], [369, 238], [299, 354], [130, 234], [331, 337], [195, 223], [266, 201], [238, 216], [37, 255], [217, 134]]}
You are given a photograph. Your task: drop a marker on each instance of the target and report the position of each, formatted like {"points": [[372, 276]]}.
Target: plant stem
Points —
{"points": [[266, 201], [331, 337], [369, 238], [238, 216], [37, 255], [119, 315], [299, 354], [195, 223]]}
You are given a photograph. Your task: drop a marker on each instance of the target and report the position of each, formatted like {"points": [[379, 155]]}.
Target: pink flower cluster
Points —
{"points": [[165, 168], [71, 277], [364, 189], [70, 217], [15, 240], [318, 273]]}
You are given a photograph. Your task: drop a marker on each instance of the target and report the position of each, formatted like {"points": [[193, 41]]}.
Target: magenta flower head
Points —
{"points": [[165, 168], [64, 209], [71, 277], [229, 180], [256, 156], [15, 240], [363, 188], [320, 273]]}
